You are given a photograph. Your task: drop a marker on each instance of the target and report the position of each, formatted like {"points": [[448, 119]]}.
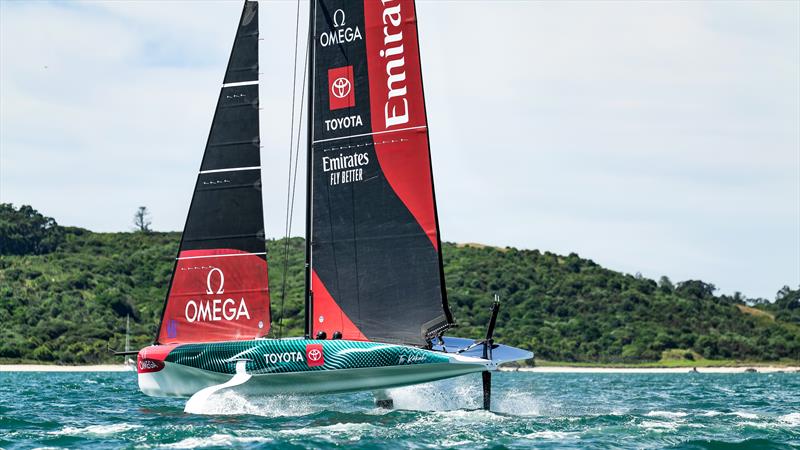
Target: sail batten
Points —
{"points": [[219, 256], [420, 127], [376, 261], [219, 288]]}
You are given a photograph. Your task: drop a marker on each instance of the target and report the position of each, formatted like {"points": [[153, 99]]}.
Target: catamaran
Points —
{"points": [[376, 307]]}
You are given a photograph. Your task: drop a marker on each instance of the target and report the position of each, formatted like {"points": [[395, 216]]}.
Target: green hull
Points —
{"points": [[292, 366]]}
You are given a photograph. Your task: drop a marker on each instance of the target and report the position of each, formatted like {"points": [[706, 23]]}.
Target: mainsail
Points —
{"points": [[219, 287], [376, 265]]}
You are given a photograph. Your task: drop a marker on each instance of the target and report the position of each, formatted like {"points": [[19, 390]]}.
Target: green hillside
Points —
{"points": [[65, 292]]}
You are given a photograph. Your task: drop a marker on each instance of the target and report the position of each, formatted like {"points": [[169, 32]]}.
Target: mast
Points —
{"points": [[127, 332], [309, 163]]}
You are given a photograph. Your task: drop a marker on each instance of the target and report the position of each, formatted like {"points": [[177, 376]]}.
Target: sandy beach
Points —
{"points": [[54, 368]]}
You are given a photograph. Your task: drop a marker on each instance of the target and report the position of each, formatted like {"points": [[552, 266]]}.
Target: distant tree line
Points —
{"points": [[65, 292]]}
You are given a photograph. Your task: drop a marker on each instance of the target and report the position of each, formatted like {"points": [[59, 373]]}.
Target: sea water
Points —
{"points": [[529, 410]]}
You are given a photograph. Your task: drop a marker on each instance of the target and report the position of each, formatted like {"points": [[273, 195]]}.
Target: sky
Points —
{"points": [[653, 137]]}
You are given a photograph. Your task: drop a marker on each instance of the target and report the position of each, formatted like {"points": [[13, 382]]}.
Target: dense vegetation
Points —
{"points": [[25, 231], [65, 293]]}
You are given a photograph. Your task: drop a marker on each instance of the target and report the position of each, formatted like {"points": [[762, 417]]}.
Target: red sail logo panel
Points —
{"points": [[216, 295], [341, 88], [395, 79], [397, 103]]}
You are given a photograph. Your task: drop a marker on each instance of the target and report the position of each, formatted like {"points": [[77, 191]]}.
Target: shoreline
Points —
{"points": [[539, 369], [55, 368], [709, 369]]}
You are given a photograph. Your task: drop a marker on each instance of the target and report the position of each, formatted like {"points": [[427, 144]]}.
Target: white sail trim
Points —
{"points": [[371, 134], [223, 255], [240, 83], [232, 169]]}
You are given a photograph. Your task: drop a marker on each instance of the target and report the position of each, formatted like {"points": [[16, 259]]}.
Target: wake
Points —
{"points": [[461, 395]]}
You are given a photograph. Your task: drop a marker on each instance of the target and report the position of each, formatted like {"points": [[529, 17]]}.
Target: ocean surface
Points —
{"points": [[530, 410]]}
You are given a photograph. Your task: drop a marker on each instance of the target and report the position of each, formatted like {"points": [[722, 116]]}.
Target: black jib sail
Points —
{"points": [[219, 287], [376, 268]]}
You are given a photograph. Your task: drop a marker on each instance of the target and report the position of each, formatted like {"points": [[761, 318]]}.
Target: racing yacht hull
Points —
{"points": [[299, 366]]}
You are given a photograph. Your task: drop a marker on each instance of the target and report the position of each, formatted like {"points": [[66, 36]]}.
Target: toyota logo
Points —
{"points": [[314, 355], [340, 88]]}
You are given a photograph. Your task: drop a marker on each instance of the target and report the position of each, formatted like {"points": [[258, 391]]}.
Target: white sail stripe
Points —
{"points": [[232, 169], [240, 83], [371, 134], [226, 254]]}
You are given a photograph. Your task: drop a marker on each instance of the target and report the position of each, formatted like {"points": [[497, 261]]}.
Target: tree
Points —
{"points": [[695, 289], [787, 298], [141, 220], [782, 293], [665, 284], [24, 231]]}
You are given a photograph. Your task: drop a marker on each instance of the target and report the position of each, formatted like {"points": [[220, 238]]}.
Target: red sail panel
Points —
{"points": [[375, 247], [329, 316], [395, 78], [216, 295], [405, 162], [398, 103]]}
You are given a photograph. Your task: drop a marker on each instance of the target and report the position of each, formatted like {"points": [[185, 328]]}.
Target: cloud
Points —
{"points": [[652, 137]]}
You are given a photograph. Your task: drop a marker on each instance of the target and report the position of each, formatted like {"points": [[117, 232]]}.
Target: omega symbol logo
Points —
{"points": [[338, 14], [340, 87], [209, 290], [314, 355]]}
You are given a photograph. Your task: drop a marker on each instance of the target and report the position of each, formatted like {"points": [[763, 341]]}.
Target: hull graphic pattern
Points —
{"points": [[296, 365]]}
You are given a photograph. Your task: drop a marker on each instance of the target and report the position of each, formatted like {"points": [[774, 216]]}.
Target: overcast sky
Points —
{"points": [[662, 138]]}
